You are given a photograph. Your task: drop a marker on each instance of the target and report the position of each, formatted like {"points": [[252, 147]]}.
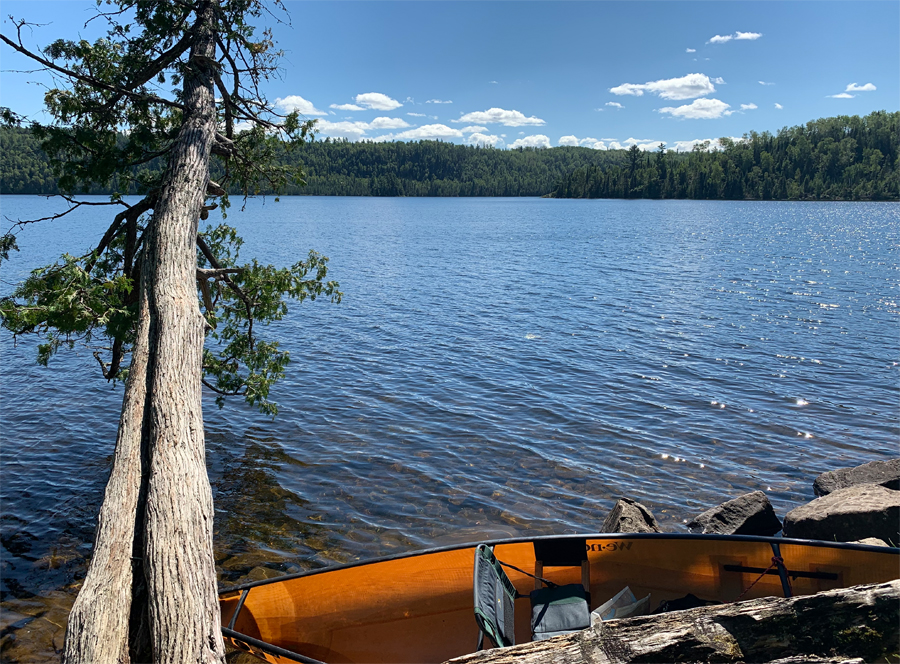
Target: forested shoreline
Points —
{"points": [[841, 158], [345, 168], [838, 158]]}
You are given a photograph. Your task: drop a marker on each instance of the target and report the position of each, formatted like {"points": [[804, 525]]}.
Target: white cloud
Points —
{"points": [[718, 80], [357, 130], [500, 116], [690, 50], [352, 130], [687, 146], [684, 87], [437, 101], [377, 101], [744, 107], [778, 106], [699, 109], [592, 143], [473, 129], [714, 144], [347, 107], [721, 39], [417, 115], [425, 132], [853, 87], [765, 83], [484, 139], [297, 103], [493, 82], [614, 104], [641, 143], [388, 123], [842, 95], [535, 141], [574, 141]]}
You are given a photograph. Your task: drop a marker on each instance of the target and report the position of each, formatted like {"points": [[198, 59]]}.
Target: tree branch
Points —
{"points": [[75, 205], [234, 393], [201, 243], [90, 80], [131, 214]]}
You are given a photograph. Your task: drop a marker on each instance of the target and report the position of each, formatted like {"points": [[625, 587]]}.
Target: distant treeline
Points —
{"points": [[344, 168], [842, 158]]}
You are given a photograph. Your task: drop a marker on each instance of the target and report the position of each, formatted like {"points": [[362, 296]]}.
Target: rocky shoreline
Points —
{"points": [[859, 504]]}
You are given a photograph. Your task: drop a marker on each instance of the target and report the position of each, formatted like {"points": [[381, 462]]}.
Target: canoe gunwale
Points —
{"points": [[268, 647], [594, 536]]}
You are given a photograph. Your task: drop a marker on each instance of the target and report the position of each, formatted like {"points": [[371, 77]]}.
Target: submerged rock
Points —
{"points": [[846, 515], [885, 473], [750, 514], [629, 516]]}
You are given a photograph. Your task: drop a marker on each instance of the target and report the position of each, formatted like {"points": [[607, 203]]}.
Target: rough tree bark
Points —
{"points": [[833, 626], [150, 592]]}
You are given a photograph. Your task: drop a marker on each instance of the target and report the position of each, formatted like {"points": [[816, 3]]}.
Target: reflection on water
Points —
{"points": [[497, 368]]}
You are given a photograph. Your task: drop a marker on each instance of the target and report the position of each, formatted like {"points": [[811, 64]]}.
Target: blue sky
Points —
{"points": [[599, 74]]}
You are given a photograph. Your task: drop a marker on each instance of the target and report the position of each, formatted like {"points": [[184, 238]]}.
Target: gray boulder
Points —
{"points": [[629, 516], [885, 473], [750, 514], [847, 515], [871, 541]]}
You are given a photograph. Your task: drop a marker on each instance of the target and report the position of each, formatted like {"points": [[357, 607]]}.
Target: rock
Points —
{"points": [[629, 516], [871, 541], [750, 514], [849, 625], [885, 473], [845, 515]]}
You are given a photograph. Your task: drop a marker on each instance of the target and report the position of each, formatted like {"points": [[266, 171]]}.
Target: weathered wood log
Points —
{"points": [[833, 626]]}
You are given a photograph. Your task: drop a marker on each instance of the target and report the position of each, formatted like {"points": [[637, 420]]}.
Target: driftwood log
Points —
{"points": [[858, 624]]}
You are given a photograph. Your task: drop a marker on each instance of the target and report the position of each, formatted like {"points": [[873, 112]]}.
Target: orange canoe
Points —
{"points": [[418, 607]]}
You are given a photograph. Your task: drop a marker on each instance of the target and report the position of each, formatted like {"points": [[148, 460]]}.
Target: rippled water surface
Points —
{"points": [[497, 367]]}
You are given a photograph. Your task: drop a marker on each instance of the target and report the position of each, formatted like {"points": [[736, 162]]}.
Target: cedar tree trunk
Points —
{"points": [[150, 593]]}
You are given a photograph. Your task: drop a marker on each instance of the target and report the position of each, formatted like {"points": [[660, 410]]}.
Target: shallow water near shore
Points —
{"points": [[497, 367]]}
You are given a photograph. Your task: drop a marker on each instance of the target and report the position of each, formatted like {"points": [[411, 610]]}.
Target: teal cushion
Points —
{"points": [[559, 610]]}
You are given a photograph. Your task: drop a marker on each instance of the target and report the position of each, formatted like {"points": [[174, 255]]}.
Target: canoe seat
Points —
{"points": [[560, 609], [555, 609], [495, 596]]}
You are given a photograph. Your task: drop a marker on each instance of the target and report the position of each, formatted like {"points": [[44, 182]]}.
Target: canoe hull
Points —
{"points": [[419, 607]]}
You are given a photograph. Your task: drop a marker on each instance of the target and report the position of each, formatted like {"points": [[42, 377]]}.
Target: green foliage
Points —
{"points": [[236, 362], [65, 303], [840, 158], [116, 117], [339, 168], [435, 168]]}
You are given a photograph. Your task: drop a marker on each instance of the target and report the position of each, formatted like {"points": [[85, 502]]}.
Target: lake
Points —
{"points": [[497, 367]]}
